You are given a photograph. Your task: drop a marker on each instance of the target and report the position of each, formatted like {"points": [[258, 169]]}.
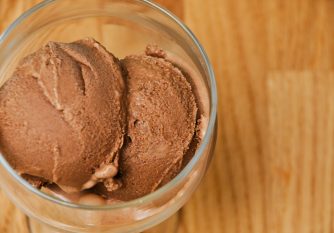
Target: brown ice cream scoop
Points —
{"points": [[62, 116], [161, 124]]}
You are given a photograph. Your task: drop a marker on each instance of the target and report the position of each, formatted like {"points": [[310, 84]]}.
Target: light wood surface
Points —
{"points": [[273, 169]]}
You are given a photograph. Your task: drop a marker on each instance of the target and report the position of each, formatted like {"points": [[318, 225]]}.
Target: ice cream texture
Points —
{"points": [[75, 116]]}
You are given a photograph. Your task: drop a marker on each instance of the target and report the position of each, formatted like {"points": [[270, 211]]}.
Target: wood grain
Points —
{"points": [[274, 163], [11, 219]]}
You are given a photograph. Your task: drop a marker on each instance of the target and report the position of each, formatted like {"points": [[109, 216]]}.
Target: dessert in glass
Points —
{"points": [[107, 115]]}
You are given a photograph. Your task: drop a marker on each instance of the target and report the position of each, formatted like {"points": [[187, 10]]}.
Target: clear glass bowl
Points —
{"points": [[124, 27]]}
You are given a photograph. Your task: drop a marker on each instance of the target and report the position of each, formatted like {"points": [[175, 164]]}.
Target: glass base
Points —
{"points": [[38, 227]]}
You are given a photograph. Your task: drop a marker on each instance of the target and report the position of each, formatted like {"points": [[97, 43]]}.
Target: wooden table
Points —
{"points": [[273, 169]]}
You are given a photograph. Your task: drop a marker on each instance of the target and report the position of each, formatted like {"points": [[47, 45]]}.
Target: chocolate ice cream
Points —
{"points": [[161, 124], [68, 108], [62, 115]]}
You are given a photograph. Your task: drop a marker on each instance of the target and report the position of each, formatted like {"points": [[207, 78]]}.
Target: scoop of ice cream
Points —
{"points": [[161, 124], [62, 116]]}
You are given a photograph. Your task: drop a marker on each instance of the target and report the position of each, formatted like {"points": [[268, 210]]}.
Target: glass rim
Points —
{"points": [[185, 171]]}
